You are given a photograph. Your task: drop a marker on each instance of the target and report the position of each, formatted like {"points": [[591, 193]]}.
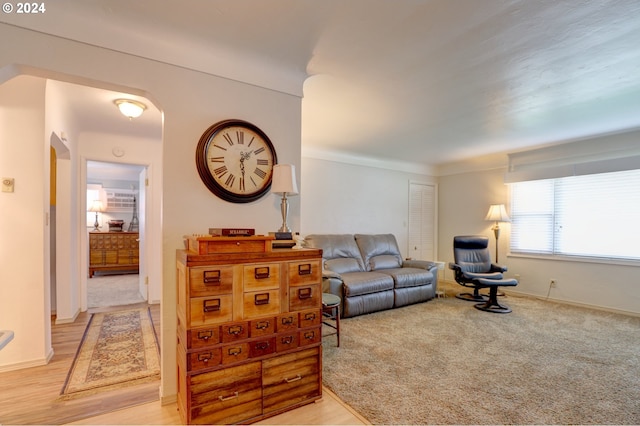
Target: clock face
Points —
{"points": [[235, 161]]}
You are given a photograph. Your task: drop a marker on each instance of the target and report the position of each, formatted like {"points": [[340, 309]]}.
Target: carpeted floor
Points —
{"points": [[113, 290], [445, 362]]}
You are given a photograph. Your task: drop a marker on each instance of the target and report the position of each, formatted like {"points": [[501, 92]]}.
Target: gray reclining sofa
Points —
{"points": [[369, 274]]}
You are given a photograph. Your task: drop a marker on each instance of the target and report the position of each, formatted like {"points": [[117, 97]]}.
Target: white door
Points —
{"points": [[422, 221]]}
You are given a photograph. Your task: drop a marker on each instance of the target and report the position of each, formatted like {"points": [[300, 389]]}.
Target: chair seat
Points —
{"points": [[497, 283]]}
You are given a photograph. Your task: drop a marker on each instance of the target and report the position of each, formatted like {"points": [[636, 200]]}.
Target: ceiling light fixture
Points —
{"points": [[130, 109]]}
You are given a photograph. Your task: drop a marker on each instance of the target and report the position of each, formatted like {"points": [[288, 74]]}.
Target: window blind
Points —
{"points": [[594, 215]]}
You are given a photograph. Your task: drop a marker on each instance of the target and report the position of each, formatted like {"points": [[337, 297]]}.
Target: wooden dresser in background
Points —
{"points": [[113, 251], [249, 329]]}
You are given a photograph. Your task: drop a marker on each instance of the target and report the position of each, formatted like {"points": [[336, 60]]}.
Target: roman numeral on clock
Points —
{"points": [[259, 151], [220, 171], [262, 162], [217, 159], [260, 172], [228, 138], [240, 136], [230, 179]]}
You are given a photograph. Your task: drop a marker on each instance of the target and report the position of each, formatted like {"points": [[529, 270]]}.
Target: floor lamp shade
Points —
{"points": [[284, 183], [497, 213]]}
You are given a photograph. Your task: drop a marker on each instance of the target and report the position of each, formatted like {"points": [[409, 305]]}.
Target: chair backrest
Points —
{"points": [[471, 253]]}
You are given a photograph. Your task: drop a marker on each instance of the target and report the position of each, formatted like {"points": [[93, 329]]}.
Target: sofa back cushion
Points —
{"points": [[339, 252], [379, 251]]}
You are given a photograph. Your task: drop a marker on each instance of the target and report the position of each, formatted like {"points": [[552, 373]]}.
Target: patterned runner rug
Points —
{"points": [[118, 349]]}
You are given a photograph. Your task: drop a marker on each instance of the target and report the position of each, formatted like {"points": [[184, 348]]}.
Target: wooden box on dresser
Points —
{"points": [[249, 329]]}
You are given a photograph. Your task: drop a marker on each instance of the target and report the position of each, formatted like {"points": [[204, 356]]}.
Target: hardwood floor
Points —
{"points": [[30, 396]]}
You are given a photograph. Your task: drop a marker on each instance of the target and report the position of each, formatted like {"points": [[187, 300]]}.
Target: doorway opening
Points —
{"points": [[114, 191]]}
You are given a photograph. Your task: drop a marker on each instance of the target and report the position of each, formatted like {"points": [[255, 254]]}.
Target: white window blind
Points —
{"points": [[595, 216]]}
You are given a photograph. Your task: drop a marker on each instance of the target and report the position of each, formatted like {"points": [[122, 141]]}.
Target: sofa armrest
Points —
{"points": [[332, 283], [422, 264]]}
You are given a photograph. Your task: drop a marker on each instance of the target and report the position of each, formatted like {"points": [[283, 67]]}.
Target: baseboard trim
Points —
{"points": [[513, 291]]}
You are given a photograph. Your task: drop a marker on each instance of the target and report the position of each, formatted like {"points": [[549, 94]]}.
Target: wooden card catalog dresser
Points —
{"points": [[113, 251], [249, 329]]}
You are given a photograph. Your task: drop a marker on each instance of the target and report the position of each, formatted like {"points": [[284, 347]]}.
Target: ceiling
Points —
{"points": [[418, 81]]}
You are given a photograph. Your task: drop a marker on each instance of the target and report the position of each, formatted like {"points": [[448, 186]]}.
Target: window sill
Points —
{"points": [[582, 259]]}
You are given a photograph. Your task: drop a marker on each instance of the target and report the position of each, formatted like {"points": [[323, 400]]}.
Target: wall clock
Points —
{"points": [[235, 161]]}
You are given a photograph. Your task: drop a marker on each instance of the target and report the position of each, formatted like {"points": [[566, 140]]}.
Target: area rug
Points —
{"points": [[445, 362], [118, 349]]}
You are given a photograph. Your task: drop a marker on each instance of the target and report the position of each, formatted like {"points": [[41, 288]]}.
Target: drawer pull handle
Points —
{"points": [[304, 293], [309, 335], [234, 351], [211, 277], [228, 398], [204, 357], [287, 321], [295, 379], [261, 299], [262, 325], [310, 316], [304, 269], [235, 330], [205, 335], [261, 273], [211, 305], [287, 340], [262, 346]]}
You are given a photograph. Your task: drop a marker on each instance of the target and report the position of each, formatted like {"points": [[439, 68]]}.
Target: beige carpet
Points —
{"points": [[445, 362], [113, 290], [118, 349]]}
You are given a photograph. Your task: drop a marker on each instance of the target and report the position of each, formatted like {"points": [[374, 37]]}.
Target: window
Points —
{"points": [[593, 216]]}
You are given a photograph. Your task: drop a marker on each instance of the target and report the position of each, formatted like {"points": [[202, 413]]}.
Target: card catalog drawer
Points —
{"points": [[261, 303], [261, 276], [306, 272], [210, 310], [304, 297], [210, 280]]}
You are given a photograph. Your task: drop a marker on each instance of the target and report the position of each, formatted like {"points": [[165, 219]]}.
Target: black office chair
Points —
{"points": [[473, 268]]}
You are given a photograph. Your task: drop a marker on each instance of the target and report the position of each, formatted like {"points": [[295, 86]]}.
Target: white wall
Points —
{"points": [[24, 231], [191, 102], [340, 198], [464, 202]]}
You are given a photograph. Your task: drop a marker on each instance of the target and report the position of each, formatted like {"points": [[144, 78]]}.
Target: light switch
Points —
{"points": [[7, 184]]}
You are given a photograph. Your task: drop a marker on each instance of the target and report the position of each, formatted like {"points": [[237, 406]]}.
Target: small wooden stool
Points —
{"points": [[331, 311]]}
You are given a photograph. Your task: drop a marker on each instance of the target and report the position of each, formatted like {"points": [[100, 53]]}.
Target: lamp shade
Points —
{"points": [[284, 179], [497, 213], [96, 206]]}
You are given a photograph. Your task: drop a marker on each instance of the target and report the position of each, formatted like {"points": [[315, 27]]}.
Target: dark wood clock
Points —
{"points": [[235, 161]]}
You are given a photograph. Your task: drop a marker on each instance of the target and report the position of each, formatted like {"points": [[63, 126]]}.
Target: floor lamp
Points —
{"points": [[497, 213]]}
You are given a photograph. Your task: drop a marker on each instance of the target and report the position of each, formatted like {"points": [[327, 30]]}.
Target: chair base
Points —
{"points": [[492, 304], [473, 297]]}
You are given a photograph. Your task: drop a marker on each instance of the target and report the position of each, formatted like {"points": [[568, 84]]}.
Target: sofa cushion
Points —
{"points": [[339, 251], [379, 251], [359, 283], [409, 277]]}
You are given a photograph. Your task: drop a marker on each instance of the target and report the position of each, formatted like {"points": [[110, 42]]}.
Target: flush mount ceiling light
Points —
{"points": [[130, 109]]}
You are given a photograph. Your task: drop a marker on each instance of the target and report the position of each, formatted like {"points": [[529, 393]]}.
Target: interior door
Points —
{"points": [[422, 221]]}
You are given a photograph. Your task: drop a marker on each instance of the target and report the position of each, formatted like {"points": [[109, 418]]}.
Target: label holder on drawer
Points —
{"points": [[211, 277], [261, 299], [262, 272], [304, 269], [211, 305]]}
